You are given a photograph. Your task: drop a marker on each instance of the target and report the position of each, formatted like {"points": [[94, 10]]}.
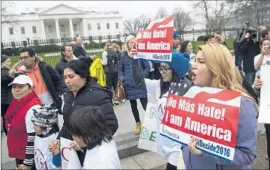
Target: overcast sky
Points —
{"points": [[127, 8]]}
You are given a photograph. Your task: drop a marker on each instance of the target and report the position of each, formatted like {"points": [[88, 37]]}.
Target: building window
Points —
{"points": [[34, 29], [36, 42], [50, 28], [13, 44], [62, 28], [74, 27], [108, 26], [98, 26], [89, 26], [11, 31], [22, 30], [117, 25], [24, 43]]}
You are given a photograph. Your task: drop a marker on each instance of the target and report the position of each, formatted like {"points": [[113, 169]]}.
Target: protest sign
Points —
{"points": [[207, 114], [68, 154], [155, 42], [264, 116], [148, 134]]}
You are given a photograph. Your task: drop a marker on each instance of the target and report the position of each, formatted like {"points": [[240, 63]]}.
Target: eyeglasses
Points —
{"points": [[164, 69]]}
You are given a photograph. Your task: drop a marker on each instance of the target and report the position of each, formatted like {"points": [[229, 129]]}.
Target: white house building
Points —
{"points": [[59, 22]]}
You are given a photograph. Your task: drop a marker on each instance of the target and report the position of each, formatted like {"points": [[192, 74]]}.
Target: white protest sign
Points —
{"points": [[68, 154], [148, 134], [264, 116]]}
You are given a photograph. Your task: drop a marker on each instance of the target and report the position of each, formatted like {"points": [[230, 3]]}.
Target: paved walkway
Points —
{"points": [[145, 160]]}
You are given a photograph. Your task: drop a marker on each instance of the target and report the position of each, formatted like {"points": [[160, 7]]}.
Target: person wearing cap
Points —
{"points": [[6, 95], [47, 83], [171, 72], [46, 128], [133, 83], [20, 128]]}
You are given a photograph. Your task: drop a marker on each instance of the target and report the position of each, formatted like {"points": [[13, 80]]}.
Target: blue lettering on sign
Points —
{"points": [[217, 149]]}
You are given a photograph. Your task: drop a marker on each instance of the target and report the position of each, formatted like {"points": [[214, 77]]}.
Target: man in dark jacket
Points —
{"points": [[248, 50], [67, 55], [111, 67], [47, 83], [78, 49]]}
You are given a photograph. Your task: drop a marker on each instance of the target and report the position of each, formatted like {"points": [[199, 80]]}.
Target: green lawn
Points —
{"points": [[52, 61], [196, 44]]}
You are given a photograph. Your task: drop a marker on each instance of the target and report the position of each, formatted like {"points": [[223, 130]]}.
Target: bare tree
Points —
{"points": [[133, 25], [7, 17], [181, 20], [204, 10], [254, 11], [162, 13]]}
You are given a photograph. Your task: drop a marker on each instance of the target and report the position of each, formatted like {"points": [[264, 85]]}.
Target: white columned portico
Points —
{"points": [[71, 28], [85, 27], [57, 28], [42, 31]]}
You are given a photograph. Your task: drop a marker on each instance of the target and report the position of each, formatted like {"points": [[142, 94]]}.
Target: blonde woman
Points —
{"points": [[214, 67]]}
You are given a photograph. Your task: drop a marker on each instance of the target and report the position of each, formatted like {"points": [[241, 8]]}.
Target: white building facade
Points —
{"points": [[61, 21]]}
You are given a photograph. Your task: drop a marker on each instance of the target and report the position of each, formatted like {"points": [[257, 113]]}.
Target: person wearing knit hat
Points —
{"points": [[46, 127], [6, 95], [171, 72], [131, 77]]}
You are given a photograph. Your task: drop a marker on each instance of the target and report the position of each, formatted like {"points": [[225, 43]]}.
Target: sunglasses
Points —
{"points": [[164, 69]]}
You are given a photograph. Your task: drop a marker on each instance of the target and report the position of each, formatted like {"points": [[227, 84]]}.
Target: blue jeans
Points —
{"points": [[250, 77]]}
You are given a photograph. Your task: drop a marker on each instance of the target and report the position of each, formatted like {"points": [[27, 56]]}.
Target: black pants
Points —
{"points": [[133, 104], [4, 108], [111, 80], [267, 130], [171, 167], [18, 162]]}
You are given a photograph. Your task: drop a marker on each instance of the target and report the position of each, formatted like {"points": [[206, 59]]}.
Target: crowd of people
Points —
{"points": [[83, 88]]}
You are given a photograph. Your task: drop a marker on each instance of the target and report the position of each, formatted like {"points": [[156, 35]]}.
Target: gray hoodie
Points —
{"points": [[245, 151]]}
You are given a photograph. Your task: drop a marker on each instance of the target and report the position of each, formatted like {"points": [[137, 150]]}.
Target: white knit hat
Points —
{"points": [[130, 37]]}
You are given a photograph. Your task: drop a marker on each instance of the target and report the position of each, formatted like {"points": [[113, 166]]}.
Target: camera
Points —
{"points": [[252, 31]]}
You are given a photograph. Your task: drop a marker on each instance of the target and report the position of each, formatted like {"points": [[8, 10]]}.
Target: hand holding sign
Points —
{"points": [[208, 115]]}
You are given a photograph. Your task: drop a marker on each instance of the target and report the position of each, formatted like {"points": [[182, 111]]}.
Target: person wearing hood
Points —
{"points": [[6, 95], [171, 72], [83, 91], [133, 83]]}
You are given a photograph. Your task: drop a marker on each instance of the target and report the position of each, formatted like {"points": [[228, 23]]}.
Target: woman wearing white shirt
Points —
{"points": [[264, 57]]}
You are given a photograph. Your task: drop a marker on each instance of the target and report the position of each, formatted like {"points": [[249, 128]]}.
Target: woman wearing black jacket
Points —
{"points": [[84, 91], [6, 95]]}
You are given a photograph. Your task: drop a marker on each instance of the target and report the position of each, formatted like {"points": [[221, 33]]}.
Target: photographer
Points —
{"points": [[248, 50]]}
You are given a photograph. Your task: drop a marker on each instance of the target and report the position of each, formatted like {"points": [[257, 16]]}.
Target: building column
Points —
{"points": [[57, 28], [42, 30], [71, 28], [84, 27]]}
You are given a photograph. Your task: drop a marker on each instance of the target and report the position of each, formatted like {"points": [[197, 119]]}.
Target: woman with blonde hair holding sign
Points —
{"points": [[214, 67]]}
